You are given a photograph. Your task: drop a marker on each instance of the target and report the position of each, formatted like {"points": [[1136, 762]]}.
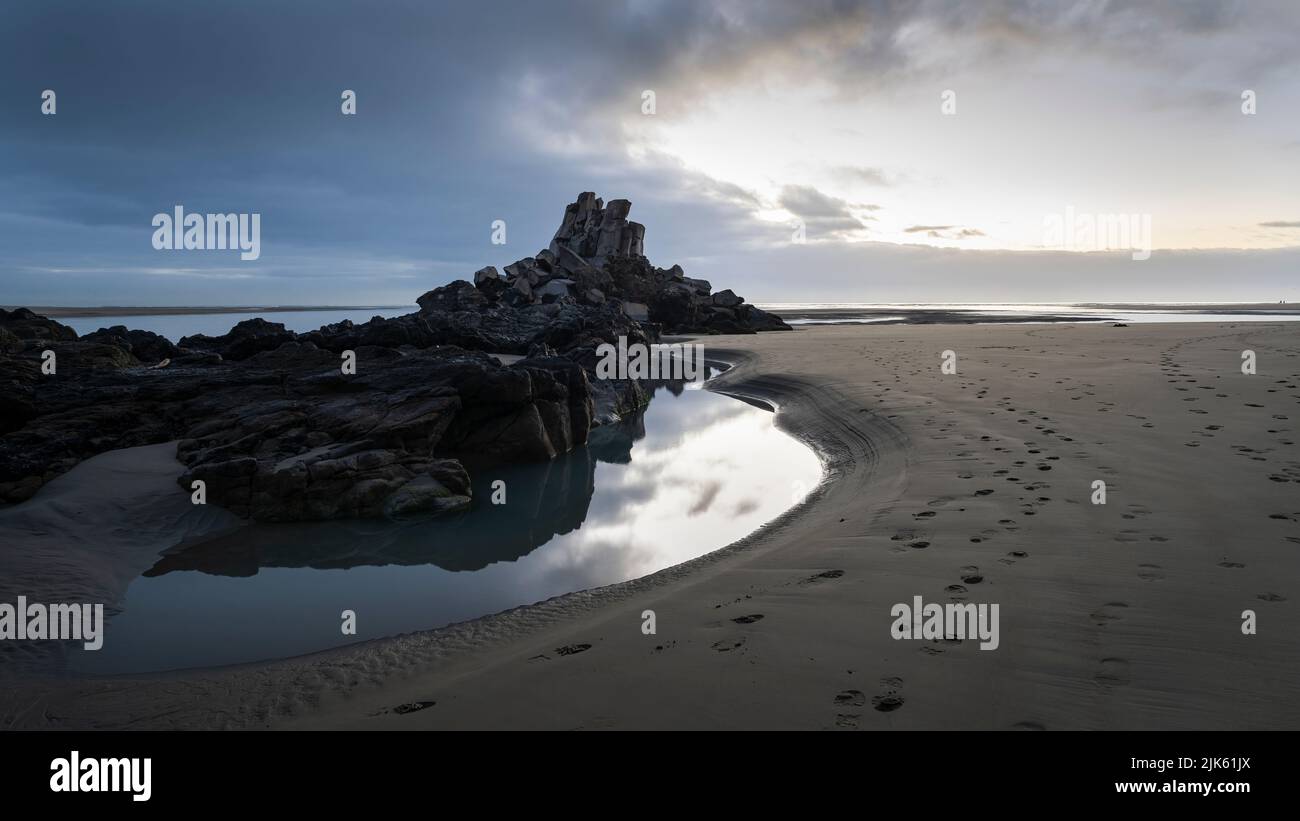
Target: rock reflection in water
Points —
{"points": [[544, 500], [696, 472]]}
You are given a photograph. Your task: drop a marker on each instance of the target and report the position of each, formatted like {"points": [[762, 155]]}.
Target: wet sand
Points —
{"points": [[975, 486]]}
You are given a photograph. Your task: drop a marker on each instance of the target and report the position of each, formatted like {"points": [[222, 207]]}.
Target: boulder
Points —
{"points": [[455, 296], [727, 299], [145, 346], [636, 310], [677, 308], [699, 286], [555, 289], [252, 336], [26, 325]]}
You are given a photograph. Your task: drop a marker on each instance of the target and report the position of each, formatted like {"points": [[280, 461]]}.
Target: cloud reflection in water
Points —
{"points": [[699, 471]]}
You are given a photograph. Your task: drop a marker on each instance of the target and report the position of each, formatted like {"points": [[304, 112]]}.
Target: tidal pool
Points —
{"points": [[693, 473]]}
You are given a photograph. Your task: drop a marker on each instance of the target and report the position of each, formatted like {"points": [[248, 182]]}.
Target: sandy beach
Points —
{"points": [[975, 486]]}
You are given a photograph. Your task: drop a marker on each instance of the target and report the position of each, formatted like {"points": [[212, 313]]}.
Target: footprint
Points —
{"points": [[1274, 597], [887, 703], [727, 645], [572, 649], [1232, 565], [829, 574], [1150, 572], [409, 707], [851, 698], [748, 619], [1113, 672], [1110, 611]]}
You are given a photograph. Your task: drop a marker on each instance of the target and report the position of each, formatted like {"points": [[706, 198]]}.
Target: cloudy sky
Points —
{"points": [[921, 151]]}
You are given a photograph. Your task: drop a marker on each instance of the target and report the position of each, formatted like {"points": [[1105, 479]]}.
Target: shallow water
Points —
{"points": [[697, 472], [866, 320]]}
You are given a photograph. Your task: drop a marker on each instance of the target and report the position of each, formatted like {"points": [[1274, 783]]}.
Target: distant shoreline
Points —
{"points": [[184, 310], [976, 313]]}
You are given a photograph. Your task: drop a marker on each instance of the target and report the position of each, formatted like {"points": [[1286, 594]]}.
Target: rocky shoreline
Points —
{"points": [[501, 369]]}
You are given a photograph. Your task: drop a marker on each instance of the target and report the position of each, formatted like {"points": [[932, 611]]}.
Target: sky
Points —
{"points": [[811, 151]]}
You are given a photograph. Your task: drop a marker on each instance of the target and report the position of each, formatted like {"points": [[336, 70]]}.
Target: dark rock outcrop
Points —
{"points": [[598, 254], [145, 346], [595, 260], [29, 327], [283, 435], [384, 442], [252, 336], [277, 432]]}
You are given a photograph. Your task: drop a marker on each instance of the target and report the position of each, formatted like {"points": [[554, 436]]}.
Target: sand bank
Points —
{"points": [[975, 486]]}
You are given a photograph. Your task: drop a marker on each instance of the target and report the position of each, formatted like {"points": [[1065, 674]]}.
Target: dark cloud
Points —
{"points": [[1280, 224], [807, 202], [823, 215], [467, 113]]}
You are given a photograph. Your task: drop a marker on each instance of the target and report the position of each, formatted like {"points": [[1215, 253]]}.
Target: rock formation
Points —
{"points": [[276, 432], [597, 259]]}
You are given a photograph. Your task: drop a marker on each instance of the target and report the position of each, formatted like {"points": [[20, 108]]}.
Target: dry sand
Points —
{"points": [[1118, 616]]}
